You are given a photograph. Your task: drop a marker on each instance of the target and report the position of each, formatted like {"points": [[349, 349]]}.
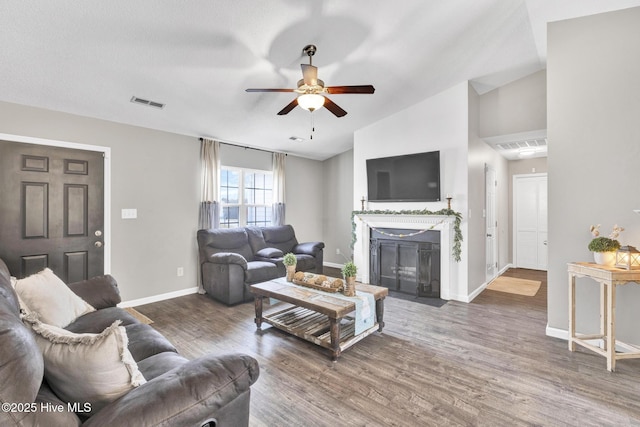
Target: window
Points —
{"points": [[246, 197]]}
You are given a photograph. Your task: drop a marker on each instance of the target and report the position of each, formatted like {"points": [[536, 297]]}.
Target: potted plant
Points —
{"points": [[349, 271], [604, 248], [290, 261]]}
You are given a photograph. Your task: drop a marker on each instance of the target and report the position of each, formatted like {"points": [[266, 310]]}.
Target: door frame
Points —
{"points": [[514, 210], [487, 169], [106, 151]]}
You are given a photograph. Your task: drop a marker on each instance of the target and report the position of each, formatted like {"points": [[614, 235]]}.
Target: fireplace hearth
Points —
{"points": [[406, 261], [449, 269]]}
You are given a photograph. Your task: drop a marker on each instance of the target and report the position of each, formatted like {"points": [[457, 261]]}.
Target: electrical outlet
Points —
{"points": [[180, 272], [129, 213], [337, 251]]}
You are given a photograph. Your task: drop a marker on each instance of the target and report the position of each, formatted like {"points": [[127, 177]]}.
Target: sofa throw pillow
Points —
{"points": [[269, 253], [81, 369], [47, 295]]}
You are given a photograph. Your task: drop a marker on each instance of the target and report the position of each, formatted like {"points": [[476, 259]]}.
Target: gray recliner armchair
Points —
{"points": [[231, 260]]}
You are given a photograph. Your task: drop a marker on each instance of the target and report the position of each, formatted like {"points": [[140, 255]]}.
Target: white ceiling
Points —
{"points": [[90, 57]]}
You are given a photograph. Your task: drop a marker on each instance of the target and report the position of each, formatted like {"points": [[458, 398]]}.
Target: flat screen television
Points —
{"points": [[407, 178]]}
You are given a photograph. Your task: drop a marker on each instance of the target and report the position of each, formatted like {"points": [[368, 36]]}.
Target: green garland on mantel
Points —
{"points": [[457, 238]]}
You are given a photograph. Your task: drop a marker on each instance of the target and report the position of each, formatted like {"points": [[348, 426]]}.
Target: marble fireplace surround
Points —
{"points": [[443, 224]]}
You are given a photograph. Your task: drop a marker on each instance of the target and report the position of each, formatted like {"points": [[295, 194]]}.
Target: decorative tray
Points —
{"points": [[318, 281]]}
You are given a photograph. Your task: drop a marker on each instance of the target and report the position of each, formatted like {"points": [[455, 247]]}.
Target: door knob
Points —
{"points": [[544, 243], [98, 244]]}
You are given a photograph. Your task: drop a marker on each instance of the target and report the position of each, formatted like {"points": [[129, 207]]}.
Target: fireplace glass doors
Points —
{"points": [[407, 264]]}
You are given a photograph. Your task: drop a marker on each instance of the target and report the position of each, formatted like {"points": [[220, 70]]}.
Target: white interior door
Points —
{"points": [[491, 223], [530, 221]]}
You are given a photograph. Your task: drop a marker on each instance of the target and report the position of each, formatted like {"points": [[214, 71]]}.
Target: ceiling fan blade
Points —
{"points": [[268, 90], [335, 90], [334, 108], [309, 74], [289, 107]]}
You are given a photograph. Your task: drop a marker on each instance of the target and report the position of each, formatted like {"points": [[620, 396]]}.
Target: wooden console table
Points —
{"points": [[609, 278]]}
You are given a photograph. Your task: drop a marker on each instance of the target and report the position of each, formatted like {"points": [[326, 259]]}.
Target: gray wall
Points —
{"points": [[338, 200], [520, 106], [158, 174], [517, 107], [152, 171], [481, 154], [303, 197], [594, 133]]}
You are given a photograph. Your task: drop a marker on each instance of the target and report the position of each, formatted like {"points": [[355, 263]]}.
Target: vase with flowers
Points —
{"points": [[290, 261], [604, 248]]}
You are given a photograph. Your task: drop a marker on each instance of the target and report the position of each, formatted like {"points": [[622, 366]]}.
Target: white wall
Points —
{"points": [[158, 174], [437, 123], [594, 149]]}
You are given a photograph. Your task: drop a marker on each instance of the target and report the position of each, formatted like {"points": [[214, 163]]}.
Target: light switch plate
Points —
{"points": [[129, 213]]}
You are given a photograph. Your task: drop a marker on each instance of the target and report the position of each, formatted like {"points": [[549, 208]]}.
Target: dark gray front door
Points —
{"points": [[51, 210]]}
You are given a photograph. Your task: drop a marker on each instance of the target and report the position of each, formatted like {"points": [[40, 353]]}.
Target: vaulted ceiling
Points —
{"points": [[197, 57]]}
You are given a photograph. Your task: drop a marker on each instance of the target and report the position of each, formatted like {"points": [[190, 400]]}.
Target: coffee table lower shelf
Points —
{"points": [[315, 327]]}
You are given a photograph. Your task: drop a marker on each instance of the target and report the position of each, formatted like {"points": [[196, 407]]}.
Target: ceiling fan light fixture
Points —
{"points": [[311, 101]]}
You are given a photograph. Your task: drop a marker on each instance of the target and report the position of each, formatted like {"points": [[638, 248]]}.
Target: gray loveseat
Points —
{"points": [[211, 390], [233, 259]]}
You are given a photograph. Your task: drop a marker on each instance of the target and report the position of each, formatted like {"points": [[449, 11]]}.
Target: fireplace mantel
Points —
{"points": [[442, 223]]}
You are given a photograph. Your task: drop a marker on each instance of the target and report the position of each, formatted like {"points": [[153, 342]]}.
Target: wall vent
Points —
{"points": [[146, 102]]}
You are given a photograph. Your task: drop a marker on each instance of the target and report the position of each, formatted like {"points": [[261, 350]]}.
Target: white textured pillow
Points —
{"points": [[48, 296], [86, 368]]}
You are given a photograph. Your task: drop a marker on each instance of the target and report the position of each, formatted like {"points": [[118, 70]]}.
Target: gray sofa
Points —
{"points": [[233, 259], [211, 390]]}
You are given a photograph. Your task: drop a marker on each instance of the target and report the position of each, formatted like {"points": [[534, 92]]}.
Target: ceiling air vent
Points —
{"points": [[296, 138], [146, 102], [516, 145]]}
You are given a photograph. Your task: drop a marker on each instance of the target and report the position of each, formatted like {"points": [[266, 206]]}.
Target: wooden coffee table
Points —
{"points": [[316, 316]]}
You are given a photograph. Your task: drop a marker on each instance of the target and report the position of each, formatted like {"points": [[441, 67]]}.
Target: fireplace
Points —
{"points": [[365, 222], [406, 261]]}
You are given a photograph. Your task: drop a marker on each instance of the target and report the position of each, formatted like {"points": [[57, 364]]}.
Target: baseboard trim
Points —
{"points": [[482, 287], [563, 334], [333, 265], [156, 298]]}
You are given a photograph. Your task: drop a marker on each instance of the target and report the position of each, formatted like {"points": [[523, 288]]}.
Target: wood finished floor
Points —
{"points": [[486, 363]]}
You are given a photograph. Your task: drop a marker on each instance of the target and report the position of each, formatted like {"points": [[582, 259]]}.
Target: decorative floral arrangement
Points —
{"points": [[289, 259], [456, 250], [349, 269], [604, 244]]}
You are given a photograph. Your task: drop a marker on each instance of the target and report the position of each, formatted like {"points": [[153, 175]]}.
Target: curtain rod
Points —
{"points": [[246, 147]]}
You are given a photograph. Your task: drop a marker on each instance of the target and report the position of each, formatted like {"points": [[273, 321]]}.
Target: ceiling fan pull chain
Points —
{"points": [[313, 128]]}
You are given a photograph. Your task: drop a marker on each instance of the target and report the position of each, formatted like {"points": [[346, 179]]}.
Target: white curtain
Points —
{"points": [[210, 172], [209, 206], [277, 217]]}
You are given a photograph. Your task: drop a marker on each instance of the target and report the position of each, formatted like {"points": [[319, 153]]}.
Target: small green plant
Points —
{"points": [[604, 244], [349, 269], [289, 259]]}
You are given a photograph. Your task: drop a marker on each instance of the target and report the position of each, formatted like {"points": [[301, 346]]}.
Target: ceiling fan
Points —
{"points": [[311, 90]]}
